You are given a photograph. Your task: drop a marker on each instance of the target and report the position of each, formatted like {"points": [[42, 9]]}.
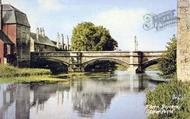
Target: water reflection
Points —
{"points": [[88, 104], [77, 99]]}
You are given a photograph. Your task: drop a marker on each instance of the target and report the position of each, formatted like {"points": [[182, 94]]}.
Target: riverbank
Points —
{"points": [[31, 79], [43, 76], [169, 100], [10, 71]]}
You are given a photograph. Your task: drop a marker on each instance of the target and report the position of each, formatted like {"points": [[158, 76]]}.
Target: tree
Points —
{"points": [[88, 37], [167, 64]]}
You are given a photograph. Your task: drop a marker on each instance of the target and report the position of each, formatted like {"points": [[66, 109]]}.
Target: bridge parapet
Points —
{"points": [[97, 53], [153, 54]]}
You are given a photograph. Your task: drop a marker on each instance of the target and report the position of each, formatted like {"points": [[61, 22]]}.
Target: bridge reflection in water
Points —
{"points": [[78, 98]]}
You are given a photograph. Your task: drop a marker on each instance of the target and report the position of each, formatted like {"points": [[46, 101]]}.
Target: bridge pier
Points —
{"points": [[75, 68], [132, 69], [135, 69], [135, 63], [140, 70]]}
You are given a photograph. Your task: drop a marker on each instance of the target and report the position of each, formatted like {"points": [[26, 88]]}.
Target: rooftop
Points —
{"points": [[5, 38], [42, 40], [12, 15]]}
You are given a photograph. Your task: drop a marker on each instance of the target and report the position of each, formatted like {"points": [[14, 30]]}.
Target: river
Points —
{"points": [[120, 95]]}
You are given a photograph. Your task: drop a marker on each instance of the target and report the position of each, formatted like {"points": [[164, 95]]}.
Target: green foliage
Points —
{"points": [[173, 93], [167, 64], [88, 37], [153, 68]]}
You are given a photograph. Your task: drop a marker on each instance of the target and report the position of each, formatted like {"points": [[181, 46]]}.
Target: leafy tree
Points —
{"points": [[167, 64], [88, 37]]}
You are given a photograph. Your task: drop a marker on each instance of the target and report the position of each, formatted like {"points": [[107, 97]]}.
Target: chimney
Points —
{"points": [[37, 33], [68, 46], [43, 32], [58, 39], [62, 37], [135, 43], [40, 31]]}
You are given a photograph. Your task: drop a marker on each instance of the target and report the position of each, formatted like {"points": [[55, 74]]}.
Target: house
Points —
{"points": [[40, 42], [14, 35]]}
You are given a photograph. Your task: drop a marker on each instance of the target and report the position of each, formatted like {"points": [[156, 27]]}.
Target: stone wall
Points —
{"points": [[183, 44]]}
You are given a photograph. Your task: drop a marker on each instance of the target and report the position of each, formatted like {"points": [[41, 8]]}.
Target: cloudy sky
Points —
{"points": [[123, 18]]}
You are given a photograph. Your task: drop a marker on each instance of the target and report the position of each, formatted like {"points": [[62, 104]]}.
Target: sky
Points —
{"points": [[123, 18]]}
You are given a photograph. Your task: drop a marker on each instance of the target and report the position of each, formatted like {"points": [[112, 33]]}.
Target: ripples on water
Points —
{"points": [[118, 96]]}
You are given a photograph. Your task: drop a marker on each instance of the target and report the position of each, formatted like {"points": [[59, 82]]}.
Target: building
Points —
{"points": [[60, 42], [14, 36], [40, 42], [5, 47], [17, 41]]}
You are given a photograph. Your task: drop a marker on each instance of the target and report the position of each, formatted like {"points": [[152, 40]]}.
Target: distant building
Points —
{"points": [[40, 42], [14, 36], [60, 42]]}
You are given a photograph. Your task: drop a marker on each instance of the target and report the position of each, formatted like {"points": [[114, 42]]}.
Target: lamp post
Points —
{"points": [[136, 43]]}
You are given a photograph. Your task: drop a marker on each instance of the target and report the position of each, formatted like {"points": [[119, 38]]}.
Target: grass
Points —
{"points": [[30, 79], [61, 78], [10, 71], [10, 74], [153, 68]]}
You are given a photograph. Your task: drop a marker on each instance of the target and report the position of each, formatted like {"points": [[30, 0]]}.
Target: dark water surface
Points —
{"points": [[118, 96]]}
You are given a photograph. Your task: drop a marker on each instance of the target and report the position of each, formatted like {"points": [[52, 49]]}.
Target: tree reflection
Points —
{"points": [[88, 103], [42, 93]]}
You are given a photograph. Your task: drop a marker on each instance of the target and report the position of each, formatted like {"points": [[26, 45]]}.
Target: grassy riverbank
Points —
{"points": [[55, 78], [169, 101], [10, 71]]}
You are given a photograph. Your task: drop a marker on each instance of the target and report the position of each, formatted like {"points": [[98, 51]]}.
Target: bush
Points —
{"points": [[167, 64]]}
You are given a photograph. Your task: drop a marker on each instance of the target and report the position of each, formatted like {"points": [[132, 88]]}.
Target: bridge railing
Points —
{"points": [[97, 53]]}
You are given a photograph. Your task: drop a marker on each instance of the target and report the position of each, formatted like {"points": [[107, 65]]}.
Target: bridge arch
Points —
{"points": [[56, 61], [55, 65], [52, 60], [147, 64], [87, 63]]}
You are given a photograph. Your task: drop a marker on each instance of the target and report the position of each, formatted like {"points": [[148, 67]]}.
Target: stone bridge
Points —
{"points": [[136, 61]]}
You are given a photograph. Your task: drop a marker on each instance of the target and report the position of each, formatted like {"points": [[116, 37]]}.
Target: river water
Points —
{"points": [[95, 96]]}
